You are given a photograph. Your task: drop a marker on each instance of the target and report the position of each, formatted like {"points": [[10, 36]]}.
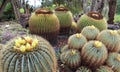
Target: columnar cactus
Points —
{"points": [[83, 69], [94, 53], [92, 18], [65, 18], [45, 23], [71, 58], [111, 39], [104, 69], [114, 61], [76, 41], [29, 54], [90, 32]]}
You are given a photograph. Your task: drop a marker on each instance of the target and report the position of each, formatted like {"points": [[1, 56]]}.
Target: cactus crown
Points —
{"points": [[95, 15], [24, 44], [43, 11], [73, 52], [92, 27], [97, 44], [78, 35], [113, 32], [61, 9], [118, 57]]}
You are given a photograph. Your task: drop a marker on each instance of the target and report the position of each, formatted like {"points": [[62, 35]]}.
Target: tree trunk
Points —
{"points": [[112, 10], [3, 6]]}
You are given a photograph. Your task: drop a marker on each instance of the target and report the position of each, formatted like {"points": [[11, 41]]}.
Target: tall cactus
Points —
{"points": [[45, 23], [29, 54]]}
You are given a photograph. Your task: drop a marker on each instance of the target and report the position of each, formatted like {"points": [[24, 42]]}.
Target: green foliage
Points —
{"points": [[114, 61], [76, 41], [111, 39], [40, 59], [94, 53], [92, 18], [90, 32], [71, 58], [104, 69], [22, 10], [83, 69], [118, 7], [117, 18]]}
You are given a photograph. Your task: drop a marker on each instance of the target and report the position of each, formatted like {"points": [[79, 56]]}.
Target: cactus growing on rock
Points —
{"points": [[90, 32], [114, 61], [83, 69], [71, 58], [45, 23], [29, 54], [92, 18], [76, 41], [104, 69], [111, 39], [65, 18], [94, 53]]}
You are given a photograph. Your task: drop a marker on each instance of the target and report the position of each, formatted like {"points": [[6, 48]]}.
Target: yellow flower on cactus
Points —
{"points": [[35, 41], [22, 49], [17, 44], [28, 47], [28, 39]]}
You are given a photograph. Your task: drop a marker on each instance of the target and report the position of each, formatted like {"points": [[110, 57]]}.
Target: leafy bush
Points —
{"points": [[117, 18], [118, 6]]}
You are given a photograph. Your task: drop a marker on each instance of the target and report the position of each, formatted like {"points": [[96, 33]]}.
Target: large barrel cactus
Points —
{"points": [[29, 54], [76, 41], [65, 18], [83, 69], [111, 39], [104, 69], [45, 23], [92, 18], [114, 61], [94, 53], [71, 58], [90, 32]]}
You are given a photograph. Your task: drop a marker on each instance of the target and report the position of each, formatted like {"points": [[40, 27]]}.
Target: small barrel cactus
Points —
{"points": [[94, 53], [76, 41], [29, 54], [45, 23], [111, 39], [74, 26], [71, 58], [65, 18], [90, 32], [114, 61], [64, 48], [92, 18], [104, 69], [83, 69]]}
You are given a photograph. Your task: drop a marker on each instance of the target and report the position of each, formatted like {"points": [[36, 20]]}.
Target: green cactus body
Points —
{"points": [[74, 26], [29, 54], [76, 41], [83, 69], [45, 23], [94, 53], [92, 18], [64, 48], [71, 58], [111, 39], [104, 69], [65, 18], [114, 61], [90, 32]]}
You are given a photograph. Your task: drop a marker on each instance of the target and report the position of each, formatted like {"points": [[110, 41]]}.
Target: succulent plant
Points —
{"points": [[64, 48], [90, 32], [111, 39], [65, 18], [94, 53], [28, 54], [45, 23], [92, 18], [83, 69], [71, 58], [114, 61], [104, 69], [74, 26], [76, 41]]}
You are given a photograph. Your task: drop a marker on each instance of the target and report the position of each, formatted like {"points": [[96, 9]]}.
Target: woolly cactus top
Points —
{"points": [[43, 11], [95, 15], [78, 35], [73, 52], [61, 9], [113, 32], [24, 44], [98, 44], [92, 27]]}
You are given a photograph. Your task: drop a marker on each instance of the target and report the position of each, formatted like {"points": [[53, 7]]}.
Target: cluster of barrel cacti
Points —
{"points": [[92, 50]]}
